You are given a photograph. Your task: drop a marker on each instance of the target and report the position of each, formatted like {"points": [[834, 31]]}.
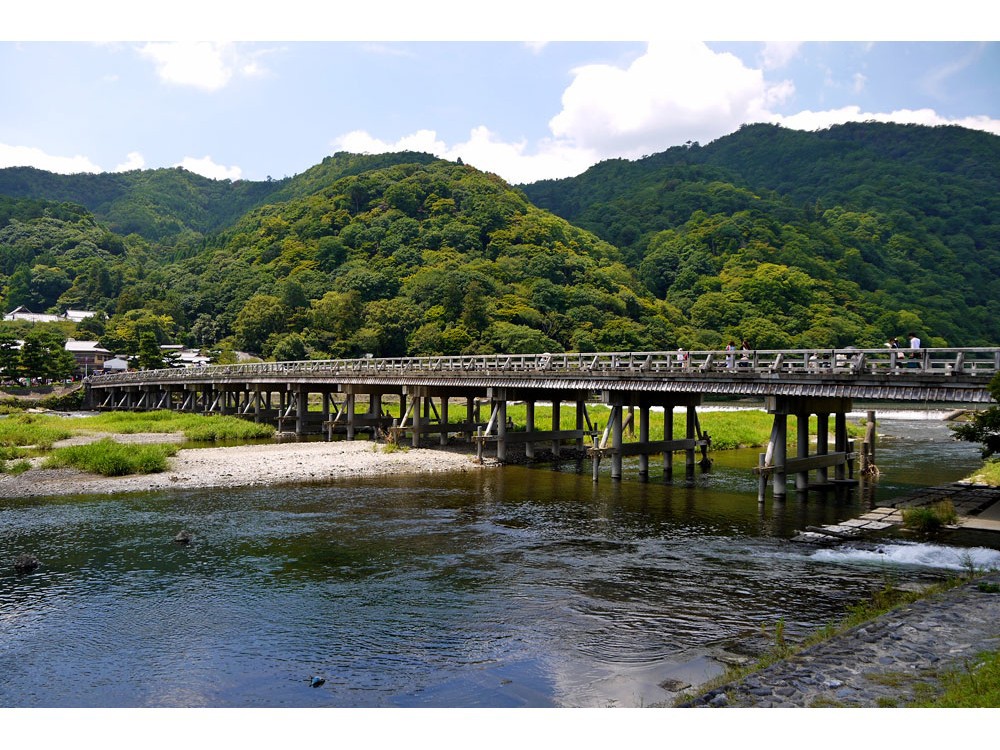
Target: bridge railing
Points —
{"points": [[982, 361]]}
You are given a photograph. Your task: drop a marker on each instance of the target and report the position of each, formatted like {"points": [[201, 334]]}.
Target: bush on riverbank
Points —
{"points": [[930, 519], [112, 459]]}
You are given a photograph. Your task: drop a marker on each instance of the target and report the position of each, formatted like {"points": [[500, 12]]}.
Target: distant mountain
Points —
{"points": [[907, 213], [790, 239]]}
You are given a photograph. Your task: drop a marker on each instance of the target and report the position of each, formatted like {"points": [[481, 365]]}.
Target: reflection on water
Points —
{"points": [[513, 587]]}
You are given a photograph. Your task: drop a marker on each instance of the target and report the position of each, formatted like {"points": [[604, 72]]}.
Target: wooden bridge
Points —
{"points": [[800, 383]]}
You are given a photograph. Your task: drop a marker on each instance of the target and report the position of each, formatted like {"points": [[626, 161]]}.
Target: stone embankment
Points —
{"points": [[888, 661]]}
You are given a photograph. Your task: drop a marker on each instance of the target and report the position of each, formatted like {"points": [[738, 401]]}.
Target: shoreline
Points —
{"points": [[241, 466]]}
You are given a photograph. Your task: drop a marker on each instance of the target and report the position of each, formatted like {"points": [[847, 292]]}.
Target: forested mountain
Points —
{"points": [[844, 236], [840, 236]]}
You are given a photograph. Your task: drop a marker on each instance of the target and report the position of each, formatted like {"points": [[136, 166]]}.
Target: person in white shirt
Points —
{"points": [[914, 344]]}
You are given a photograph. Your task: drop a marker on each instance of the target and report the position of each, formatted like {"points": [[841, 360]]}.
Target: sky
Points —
{"points": [[100, 87]]}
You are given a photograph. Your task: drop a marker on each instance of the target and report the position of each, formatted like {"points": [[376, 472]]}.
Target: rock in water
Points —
{"points": [[316, 682], [25, 563], [183, 537]]}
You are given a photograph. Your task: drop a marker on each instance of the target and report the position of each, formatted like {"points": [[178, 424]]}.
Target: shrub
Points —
{"points": [[929, 519]]}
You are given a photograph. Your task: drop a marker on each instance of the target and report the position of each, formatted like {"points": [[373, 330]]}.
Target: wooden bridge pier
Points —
{"points": [[793, 382], [778, 465], [618, 423]]}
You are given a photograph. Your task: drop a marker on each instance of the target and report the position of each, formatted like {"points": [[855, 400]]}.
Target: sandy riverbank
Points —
{"points": [[242, 466]]}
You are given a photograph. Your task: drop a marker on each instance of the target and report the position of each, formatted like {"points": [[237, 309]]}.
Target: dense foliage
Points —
{"points": [[842, 236], [788, 239]]}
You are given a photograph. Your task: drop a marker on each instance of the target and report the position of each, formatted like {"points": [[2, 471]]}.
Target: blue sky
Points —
{"points": [[442, 79]]}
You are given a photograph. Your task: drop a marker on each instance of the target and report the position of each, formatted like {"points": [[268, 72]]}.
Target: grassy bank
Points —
{"points": [[978, 685], [42, 430], [989, 474], [28, 435], [112, 459], [729, 429]]}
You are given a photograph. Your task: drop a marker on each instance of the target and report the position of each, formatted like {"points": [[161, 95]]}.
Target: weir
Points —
{"points": [[413, 398]]}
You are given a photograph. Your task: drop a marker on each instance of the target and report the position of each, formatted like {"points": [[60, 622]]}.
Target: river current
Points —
{"points": [[502, 588]]}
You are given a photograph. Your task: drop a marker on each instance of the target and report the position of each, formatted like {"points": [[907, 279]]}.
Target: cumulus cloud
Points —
{"points": [[208, 66], [808, 120], [134, 160], [674, 93], [484, 150], [206, 167], [778, 54], [28, 156]]}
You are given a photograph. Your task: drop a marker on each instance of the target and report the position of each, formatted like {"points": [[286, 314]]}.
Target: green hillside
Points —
{"points": [[789, 239], [842, 236]]}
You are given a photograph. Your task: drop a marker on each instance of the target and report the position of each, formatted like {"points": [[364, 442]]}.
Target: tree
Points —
{"points": [[984, 428], [123, 332], [10, 356], [291, 347], [150, 355], [44, 355], [262, 315]]}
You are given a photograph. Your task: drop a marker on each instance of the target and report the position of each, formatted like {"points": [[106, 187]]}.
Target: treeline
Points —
{"points": [[788, 239]]}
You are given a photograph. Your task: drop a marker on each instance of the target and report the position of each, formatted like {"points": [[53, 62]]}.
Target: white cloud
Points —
{"points": [[482, 150], [675, 92], [28, 156], [208, 66], [134, 160], [808, 120], [208, 168], [779, 54]]}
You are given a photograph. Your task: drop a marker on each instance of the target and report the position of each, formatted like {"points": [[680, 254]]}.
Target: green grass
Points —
{"points": [[38, 430], [975, 686], [42, 430], [112, 459], [881, 601], [198, 427], [744, 428], [989, 474], [930, 519]]}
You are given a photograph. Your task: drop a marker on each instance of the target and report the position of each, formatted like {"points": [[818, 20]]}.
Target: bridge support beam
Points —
{"points": [[776, 461]]}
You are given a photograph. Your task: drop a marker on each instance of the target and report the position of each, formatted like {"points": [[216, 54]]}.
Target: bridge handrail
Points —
{"points": [[978, 361]]}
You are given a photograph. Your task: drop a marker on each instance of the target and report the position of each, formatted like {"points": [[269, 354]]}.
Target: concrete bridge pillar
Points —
{"points": [[776, 459], [556, 424], [802, 449], [500, 406], [529, 427], [417, 420], [668, 435], [617, 408], [444, 420], [643, 438], [692, 432], [349, 406], [823, 443], [301, 411]]}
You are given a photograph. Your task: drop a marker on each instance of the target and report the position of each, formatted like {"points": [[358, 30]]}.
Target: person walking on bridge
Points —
{"points": [[914, 346]]}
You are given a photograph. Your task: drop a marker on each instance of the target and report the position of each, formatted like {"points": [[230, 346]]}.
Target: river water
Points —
{"points": [[507, 587]]}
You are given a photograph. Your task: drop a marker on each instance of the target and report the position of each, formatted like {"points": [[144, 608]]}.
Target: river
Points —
{"points": [[503, 588]]}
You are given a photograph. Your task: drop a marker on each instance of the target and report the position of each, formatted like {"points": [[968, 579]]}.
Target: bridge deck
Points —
{"points": [[939, 375]]}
